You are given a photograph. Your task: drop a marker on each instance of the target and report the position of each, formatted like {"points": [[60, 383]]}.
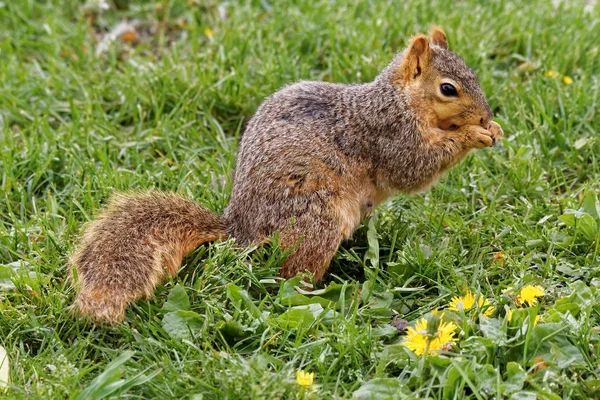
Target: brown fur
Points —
{"points": [[135, 242], [314, 160]]}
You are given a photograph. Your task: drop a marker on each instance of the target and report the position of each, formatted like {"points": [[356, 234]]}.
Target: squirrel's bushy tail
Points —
{"points": [[133, 244]]}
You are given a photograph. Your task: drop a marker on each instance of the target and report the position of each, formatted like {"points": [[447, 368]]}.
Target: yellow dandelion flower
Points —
{"points": [[463, 303], [415, 341], [567, 80], [304, 378], [419, 340], [551, 74], [445, 335], [467, 302], [209, 32], [529, 295]]}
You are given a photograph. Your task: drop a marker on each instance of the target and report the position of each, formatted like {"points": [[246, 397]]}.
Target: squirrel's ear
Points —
{"points": [[417, 58], [438, 37]]}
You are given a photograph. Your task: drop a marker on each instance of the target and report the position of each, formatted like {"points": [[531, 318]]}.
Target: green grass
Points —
{"points": [[77, 124]]}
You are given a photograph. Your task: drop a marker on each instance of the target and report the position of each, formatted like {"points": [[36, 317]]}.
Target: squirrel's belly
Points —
{"points": [[349, 215], [354, 203]]}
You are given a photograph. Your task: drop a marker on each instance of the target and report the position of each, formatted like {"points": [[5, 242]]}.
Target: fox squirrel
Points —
{"points": [[313, 160]]}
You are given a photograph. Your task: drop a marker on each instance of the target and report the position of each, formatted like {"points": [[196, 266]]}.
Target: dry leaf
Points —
{"points": [[129, 36], [400, 324]]}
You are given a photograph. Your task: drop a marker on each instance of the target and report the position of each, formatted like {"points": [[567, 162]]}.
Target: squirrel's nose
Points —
{"points": [[486, 119]]}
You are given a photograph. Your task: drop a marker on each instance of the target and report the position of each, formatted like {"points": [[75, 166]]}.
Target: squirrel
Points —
{"points": [[314, 159]]}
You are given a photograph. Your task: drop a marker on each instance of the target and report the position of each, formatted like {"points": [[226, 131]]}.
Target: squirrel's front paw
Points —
{"points": [[496, 131], [477, 137]]}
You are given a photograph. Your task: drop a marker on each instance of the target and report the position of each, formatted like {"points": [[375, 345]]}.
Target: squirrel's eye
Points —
{"points": [[448, 90]]}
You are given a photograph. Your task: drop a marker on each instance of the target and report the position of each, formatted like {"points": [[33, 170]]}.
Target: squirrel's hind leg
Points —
{"points": [[315, 240]]}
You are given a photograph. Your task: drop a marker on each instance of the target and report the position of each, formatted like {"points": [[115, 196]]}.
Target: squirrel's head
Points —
{"points": [[442, 90]]}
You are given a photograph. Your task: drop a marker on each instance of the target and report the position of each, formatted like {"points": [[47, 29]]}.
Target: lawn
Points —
{"points": [[89, 106]]}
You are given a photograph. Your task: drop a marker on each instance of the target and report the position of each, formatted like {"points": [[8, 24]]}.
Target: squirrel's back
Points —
{"points": [[289, 158]]}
